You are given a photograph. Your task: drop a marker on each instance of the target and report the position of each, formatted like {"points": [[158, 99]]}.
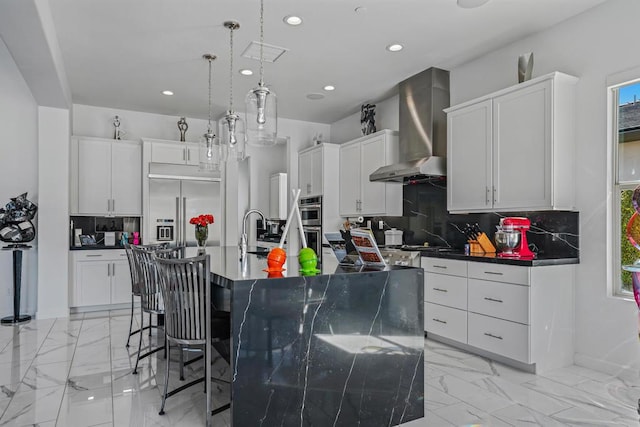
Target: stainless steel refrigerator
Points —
{"points": [[173, 202]]}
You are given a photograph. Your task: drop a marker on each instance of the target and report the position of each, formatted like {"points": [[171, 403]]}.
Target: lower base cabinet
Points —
{"points": [[519, 315], [99, 277]]}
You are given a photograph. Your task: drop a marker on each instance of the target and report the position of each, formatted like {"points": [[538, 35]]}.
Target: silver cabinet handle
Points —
{"points": [[495, 273], [184, 154], [108, 205], [493, 336], [493, 299], [440, 266], [109, 269], [494, 194], [113, 269], [439, 321], [178, 221], [188, 155], [184, 221], [488, 200], [93, 255], [113, 205], [440, 290]]}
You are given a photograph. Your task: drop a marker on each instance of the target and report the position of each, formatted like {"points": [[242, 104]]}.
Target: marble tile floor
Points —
{"points": [[76, 371]]}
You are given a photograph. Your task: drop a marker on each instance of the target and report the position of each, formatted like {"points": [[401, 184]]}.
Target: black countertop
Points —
{"points": [[94, 248], [493, 259]]}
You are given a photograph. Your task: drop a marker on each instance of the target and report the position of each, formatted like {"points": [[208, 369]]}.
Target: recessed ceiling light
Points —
{"points": [[292, 20], [329, 87], [394, 47], [315, 96], [167, 92], [470, 4], [246, 72]]}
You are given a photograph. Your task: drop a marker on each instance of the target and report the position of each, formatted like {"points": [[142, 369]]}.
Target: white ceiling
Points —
{"points": [[123, 53]]}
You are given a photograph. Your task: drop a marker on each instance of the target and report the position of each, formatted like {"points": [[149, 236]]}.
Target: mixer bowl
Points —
{"points": [[507, 241]]}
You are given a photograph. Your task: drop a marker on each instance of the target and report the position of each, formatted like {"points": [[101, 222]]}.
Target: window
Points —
{"points": [[627, 178]]}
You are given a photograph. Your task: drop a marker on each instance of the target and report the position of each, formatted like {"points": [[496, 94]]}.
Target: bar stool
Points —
{"points": [[186, 289], [150, 295], [134, 270]]}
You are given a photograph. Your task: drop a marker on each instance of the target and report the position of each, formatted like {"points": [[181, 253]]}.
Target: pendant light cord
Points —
{"points": [[231, 72], [261, 42], [209, 125]]}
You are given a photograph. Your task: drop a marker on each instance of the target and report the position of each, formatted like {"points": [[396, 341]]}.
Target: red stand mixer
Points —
{"points": [[511, 238]]}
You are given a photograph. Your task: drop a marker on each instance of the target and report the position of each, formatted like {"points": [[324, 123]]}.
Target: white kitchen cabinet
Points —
{"points": [[175, 153], [513, 149], [106, 177], [359, 159], [310, 168], [518, 315], [278, 196], [99, 277]]}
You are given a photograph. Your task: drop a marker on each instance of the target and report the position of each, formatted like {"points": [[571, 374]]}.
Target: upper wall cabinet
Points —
{"points": [[513, 149], [359, 159], [175, 153], [106, 177]]}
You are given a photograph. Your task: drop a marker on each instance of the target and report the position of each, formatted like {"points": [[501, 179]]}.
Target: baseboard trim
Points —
{"points": [[604, 366]]}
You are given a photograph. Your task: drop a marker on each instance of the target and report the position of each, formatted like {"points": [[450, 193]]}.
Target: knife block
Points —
{"points": [[482, 245]]}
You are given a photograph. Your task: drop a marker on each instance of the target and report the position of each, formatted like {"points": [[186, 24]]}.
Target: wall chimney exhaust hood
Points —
{"points": [[423, 128]]}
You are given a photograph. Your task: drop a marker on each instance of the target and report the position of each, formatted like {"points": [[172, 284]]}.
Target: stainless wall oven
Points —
{"points": [[311, 214], [311, 211]]}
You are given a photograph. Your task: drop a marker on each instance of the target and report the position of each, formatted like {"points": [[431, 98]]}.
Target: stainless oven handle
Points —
{"points": [[311, 228], [309, 207]]}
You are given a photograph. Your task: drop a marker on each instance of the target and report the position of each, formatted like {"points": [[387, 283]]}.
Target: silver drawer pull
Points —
{"points": [[439, 321], [96, 255], [494, 273], [492, 336], [440, 290], [493, 299], [440, 266]]}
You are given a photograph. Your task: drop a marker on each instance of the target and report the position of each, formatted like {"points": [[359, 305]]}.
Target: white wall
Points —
{"points": [[349, 128], [18, 174], [53, 183]]}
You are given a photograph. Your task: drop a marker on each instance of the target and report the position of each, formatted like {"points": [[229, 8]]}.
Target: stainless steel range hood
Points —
{"points": [[423, 128]]}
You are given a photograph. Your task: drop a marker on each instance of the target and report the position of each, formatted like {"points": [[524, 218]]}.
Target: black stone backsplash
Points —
{"points": [[554, 233]]}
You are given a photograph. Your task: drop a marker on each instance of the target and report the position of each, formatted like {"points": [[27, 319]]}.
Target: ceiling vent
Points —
{"points": [[271, 52]]}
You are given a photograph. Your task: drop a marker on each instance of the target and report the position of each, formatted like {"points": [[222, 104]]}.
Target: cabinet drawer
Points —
{"points": [[499, 336], [100, 255], [499, 273], [446, 290], [445, 321], [444, 266], [503, 300]]}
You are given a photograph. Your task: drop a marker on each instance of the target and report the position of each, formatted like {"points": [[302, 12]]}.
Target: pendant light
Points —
{"points": [[209, 144], [232, 126], [261, 104]]}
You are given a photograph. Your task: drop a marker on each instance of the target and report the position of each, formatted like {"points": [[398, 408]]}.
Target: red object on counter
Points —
{"points": [[520, 224]]}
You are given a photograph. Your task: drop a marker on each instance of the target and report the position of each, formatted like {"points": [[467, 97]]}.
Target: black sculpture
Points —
{"points": [[16, 228], [15, 220], [367, 119]]}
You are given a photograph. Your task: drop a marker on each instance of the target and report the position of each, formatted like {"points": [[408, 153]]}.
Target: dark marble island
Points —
{"points": [[342, 348]]}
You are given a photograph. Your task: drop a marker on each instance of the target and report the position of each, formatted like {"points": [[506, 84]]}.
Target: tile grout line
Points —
{"points": [[69, 370]]}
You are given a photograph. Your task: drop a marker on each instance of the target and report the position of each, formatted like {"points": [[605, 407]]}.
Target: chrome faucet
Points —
{"points": [[243, 238]]}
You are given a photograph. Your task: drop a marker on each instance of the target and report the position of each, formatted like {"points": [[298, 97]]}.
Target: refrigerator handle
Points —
{"points": [[177, 229], [184, 221]]}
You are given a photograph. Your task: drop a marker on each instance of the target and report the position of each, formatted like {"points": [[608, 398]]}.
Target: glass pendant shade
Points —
{"points": [[261, 116], [209, 151], [232, 136]]}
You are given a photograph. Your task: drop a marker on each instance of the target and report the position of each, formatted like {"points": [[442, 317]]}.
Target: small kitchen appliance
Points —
{"points": [[393, 238], [508, 241]]}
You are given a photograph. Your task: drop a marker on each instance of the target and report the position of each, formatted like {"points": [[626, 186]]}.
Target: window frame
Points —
{"points": [[614, 252]]}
